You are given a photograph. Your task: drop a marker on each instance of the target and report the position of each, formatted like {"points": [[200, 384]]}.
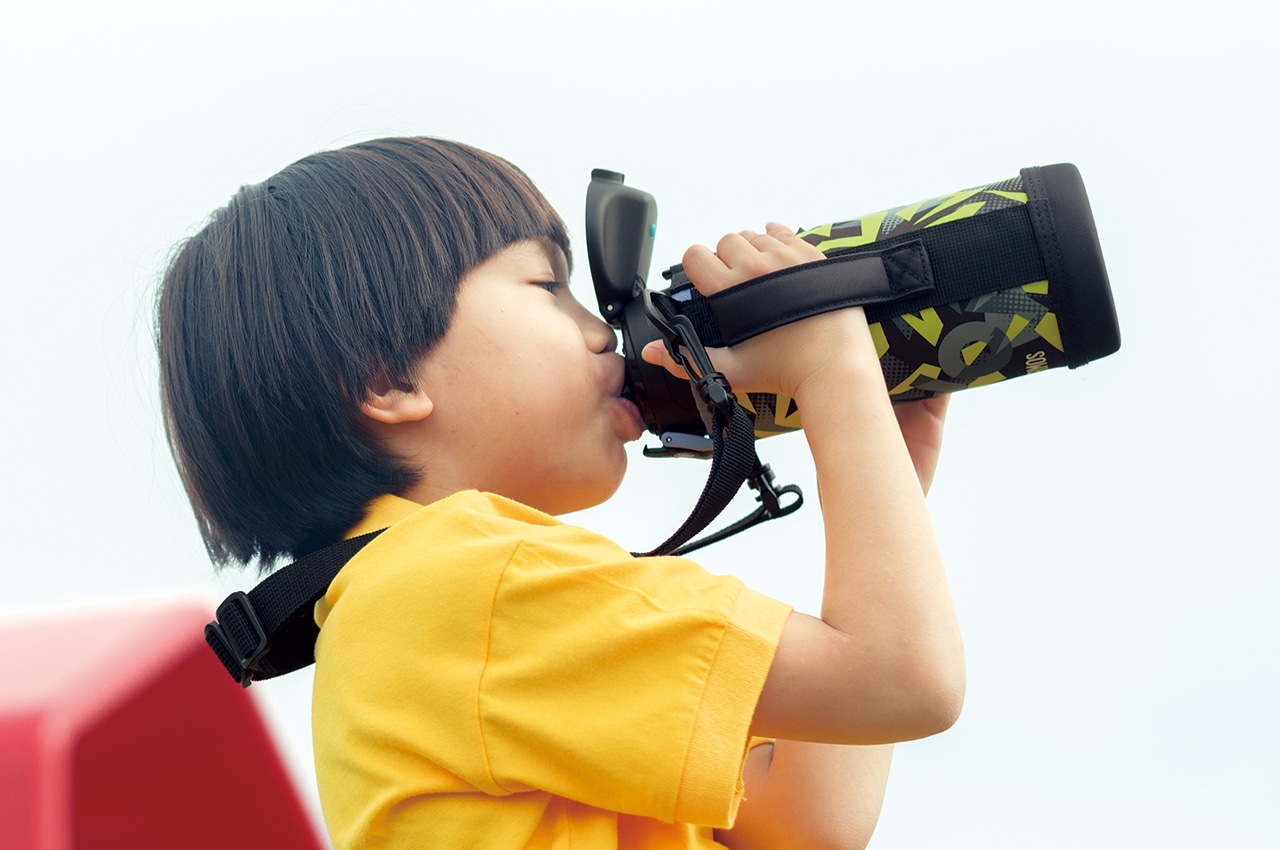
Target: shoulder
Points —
{"points": [[469, 532], [453, 554]]}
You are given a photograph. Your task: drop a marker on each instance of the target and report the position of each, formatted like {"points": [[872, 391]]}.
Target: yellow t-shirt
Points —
{"points": [[490, 677]]}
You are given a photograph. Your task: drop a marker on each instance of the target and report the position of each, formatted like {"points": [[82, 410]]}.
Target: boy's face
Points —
{"points": [[524, 390]]}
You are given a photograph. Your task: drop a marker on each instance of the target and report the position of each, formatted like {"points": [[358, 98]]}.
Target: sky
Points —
{"points": [[1105, 528]]}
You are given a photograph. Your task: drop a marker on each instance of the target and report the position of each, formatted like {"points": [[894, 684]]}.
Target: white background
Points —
{"points": [[1107, 530]]}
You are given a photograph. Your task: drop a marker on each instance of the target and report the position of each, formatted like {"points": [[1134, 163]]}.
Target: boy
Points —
{"points": [[382, 337]]}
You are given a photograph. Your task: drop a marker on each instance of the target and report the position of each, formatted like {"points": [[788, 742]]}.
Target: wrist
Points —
{"points": [[853, 375], [847, 398], [828, 349]]}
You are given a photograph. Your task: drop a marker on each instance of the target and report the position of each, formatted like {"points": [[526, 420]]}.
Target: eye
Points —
{"points": [[552, 286]]}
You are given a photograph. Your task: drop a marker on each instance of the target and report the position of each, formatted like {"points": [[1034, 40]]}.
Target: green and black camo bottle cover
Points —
{"points": [[969, 343]]}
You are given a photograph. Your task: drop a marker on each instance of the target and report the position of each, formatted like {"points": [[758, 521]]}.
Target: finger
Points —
{"points": [[781, 232], [762, 241], [656, 353], [707, 272], [923, 417], [743, 258], [788, 237], [931, 410], [922, 425], [938, 405], [722, 359], [734, 246]]}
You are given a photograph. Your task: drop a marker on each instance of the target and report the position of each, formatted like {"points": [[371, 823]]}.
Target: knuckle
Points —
{"points": [[757, 266]]}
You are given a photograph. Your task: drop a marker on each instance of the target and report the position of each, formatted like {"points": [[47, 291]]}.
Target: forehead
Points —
{"points": [[529, 255]]}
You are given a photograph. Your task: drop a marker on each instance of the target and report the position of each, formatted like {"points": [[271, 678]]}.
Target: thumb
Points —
{"points": [[656, 353]]}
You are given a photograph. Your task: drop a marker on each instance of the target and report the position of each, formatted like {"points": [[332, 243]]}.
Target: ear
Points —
{"points": [[396, 405]]}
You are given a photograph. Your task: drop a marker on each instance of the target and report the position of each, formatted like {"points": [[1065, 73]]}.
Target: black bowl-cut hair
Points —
{"points": [[295, 300]]}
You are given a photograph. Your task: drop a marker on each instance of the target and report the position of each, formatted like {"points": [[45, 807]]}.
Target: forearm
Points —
{"points": [[884, 585], [829, 795], [888, 634]]}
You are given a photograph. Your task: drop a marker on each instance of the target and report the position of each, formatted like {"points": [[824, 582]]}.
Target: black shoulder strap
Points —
{"points": [[271, 630]]}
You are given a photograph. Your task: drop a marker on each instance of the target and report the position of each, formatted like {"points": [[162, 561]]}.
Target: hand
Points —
{"points": [[921, 423], [745, 255], [783, 359]]}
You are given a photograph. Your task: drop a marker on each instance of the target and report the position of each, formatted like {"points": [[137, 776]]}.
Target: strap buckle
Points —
{"points": [[770, 496], [771, 507], [235, 621]]}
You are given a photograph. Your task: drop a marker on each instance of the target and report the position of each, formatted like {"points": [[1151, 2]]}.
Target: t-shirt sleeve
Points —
{"points": [[627, 684]]}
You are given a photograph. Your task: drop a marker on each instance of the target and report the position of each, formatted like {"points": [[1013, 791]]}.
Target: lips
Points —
{"points": [[627, 409], [632, 413]]}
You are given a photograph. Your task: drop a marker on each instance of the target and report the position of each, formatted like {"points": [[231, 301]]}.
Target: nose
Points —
{"points": [[597, 333]]}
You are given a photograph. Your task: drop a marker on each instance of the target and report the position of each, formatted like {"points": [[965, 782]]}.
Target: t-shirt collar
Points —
{"points": [[382, 512]]}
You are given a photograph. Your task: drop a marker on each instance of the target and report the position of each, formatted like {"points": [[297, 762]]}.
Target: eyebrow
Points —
{"points": [[553, 251]]}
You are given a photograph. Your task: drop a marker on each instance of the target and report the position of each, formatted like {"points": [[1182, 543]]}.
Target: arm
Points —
{"points": [[800, 794], [884, 661]]}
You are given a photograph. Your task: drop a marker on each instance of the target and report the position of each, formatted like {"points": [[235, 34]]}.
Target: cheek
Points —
{"points": [[537, 369]]}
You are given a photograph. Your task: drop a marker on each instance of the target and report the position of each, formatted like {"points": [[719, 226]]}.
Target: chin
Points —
{"points": [[589, 495]]}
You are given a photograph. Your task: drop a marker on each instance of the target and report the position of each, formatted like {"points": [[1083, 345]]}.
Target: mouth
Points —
{"points": [[626, 402], [634, 421]]}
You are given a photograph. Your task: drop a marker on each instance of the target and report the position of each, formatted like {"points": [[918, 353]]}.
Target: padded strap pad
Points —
{"points": [[792, 294]]}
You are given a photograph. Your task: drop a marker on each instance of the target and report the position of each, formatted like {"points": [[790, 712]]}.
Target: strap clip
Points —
{"points": [[770, 496], [236, 619], [677, 331]]}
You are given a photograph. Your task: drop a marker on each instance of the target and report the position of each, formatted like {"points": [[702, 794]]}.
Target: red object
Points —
{"points": [[120, 729]]}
